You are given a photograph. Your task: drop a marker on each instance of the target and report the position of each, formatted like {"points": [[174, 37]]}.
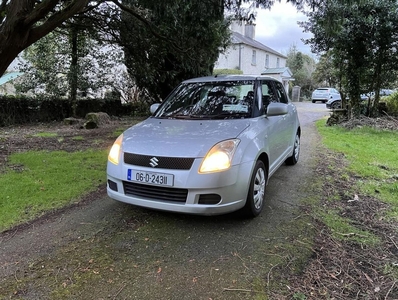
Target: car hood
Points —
{"points": [[180, 138]]}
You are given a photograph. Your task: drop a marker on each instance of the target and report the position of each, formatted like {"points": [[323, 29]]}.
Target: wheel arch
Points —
{"points": [[264, 158]]}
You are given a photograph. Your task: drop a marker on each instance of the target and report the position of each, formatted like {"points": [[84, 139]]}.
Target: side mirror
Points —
{"points": [[276, 109], [154, 107]]}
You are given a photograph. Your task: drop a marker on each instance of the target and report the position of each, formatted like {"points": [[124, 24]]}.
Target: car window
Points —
{"points": [[281, 93], [268, 94], [211, 100]]}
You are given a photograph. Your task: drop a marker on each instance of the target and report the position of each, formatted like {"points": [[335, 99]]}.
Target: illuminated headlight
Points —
{"points": [[219, 158], [114, 153]]}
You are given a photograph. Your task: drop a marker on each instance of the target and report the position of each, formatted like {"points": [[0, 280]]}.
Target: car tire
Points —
{"points": [[256, 195], [292, 160], [335, 105], [313, 101]]}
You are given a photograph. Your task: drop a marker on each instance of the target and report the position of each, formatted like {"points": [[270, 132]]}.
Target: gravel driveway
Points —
{"points": [[103, 249]]}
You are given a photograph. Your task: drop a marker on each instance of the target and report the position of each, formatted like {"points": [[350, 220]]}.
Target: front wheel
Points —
{"points": [[292, 160], [256, 195]]}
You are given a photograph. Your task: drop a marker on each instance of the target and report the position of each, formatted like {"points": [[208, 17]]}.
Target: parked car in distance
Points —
{"points": [[383, 93], [336, 103], [386, 92], [209, 148], [325, 94]]}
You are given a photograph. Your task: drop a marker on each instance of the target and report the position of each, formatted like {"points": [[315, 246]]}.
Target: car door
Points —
{"points": [[285, 132], [273, 126], [335, 94]]}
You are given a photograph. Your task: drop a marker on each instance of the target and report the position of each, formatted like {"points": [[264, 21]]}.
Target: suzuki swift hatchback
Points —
{"points": [[209, 148]]}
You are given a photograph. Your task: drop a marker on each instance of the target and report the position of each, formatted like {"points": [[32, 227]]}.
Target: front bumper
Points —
{"points": [[192, 193]]}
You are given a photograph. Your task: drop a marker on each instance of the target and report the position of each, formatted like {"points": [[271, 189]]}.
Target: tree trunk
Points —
{"points": [[27, 21], [73, 72], [374, 107]]}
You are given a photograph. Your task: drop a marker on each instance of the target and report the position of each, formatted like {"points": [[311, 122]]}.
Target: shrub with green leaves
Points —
{"points": [[227, 72], [392, 104]]}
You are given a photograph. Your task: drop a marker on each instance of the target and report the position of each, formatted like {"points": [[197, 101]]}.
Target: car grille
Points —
{"points": [[155, 192], [173, 163]]}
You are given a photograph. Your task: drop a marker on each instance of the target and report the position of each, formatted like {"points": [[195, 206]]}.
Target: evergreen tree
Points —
{"points": [[362, 43], [302, 67], [23, 23], [190, 44]]}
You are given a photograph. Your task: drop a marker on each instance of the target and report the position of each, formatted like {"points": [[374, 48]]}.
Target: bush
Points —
{"points": [[23, 110], [391, 104], [227, 72]]}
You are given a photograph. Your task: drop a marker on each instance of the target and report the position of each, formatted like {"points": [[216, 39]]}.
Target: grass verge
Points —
{"points": [[40, 181], [354, 254], [372, 156]]}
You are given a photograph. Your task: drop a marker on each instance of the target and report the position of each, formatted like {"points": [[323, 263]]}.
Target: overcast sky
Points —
{"points": [[278, 29]]}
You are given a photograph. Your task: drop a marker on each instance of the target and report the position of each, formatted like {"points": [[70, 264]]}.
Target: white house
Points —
{"points": [[252, 57], [6, 87]]}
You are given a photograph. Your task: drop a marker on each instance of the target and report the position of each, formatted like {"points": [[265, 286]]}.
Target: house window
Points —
{"points": [[266, 60], [254, 57], [277, 62]]}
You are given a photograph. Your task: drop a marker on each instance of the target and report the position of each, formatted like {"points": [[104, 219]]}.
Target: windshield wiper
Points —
{"points": [[183, 117]]}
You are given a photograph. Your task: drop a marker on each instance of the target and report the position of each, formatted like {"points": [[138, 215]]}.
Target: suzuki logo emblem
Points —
{"points": [[153, 162]]}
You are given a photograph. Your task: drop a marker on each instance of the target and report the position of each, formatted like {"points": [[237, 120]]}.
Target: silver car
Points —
{"points": [[209, 148], [325, 94]]}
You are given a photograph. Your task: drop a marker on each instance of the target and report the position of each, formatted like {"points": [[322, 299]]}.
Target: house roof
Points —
{"points": [[283, 72], [238, 38], [9, 76]]}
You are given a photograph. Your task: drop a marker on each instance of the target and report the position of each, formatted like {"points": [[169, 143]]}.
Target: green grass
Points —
{"points": [[118, 132], [40, 181], [372, 155], [45, 134], [78, 138]]}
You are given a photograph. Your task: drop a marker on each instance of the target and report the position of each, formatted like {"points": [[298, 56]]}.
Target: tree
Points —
{"points": [[191, 44], [302, 67], [363, 44], [68, 61], [22, 23], [326, 74]]}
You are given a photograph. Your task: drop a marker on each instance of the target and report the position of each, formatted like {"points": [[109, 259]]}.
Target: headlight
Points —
{"points": [[114, 154], [219, 157]]}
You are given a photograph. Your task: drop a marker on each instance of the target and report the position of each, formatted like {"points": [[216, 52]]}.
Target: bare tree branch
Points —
{"points": [[56, 19], [23, 22]]}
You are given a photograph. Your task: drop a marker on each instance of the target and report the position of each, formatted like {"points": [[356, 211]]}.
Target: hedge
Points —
{"points": [[23, 110]]}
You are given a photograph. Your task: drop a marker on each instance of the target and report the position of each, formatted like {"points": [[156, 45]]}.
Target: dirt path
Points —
{"points": [[103, 249]]}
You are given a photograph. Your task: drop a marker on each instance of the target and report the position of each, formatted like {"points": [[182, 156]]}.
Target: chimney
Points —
{"points": [[236, 26], [250, 31]]}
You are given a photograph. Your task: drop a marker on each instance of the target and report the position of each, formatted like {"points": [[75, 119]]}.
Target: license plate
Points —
{"points": [[150, 177]]}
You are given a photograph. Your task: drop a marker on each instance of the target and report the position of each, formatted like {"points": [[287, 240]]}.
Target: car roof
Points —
{"points": [[228, 78]]}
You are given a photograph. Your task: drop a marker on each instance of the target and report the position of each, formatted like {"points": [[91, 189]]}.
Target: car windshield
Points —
{"points": [[209, 100]]}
